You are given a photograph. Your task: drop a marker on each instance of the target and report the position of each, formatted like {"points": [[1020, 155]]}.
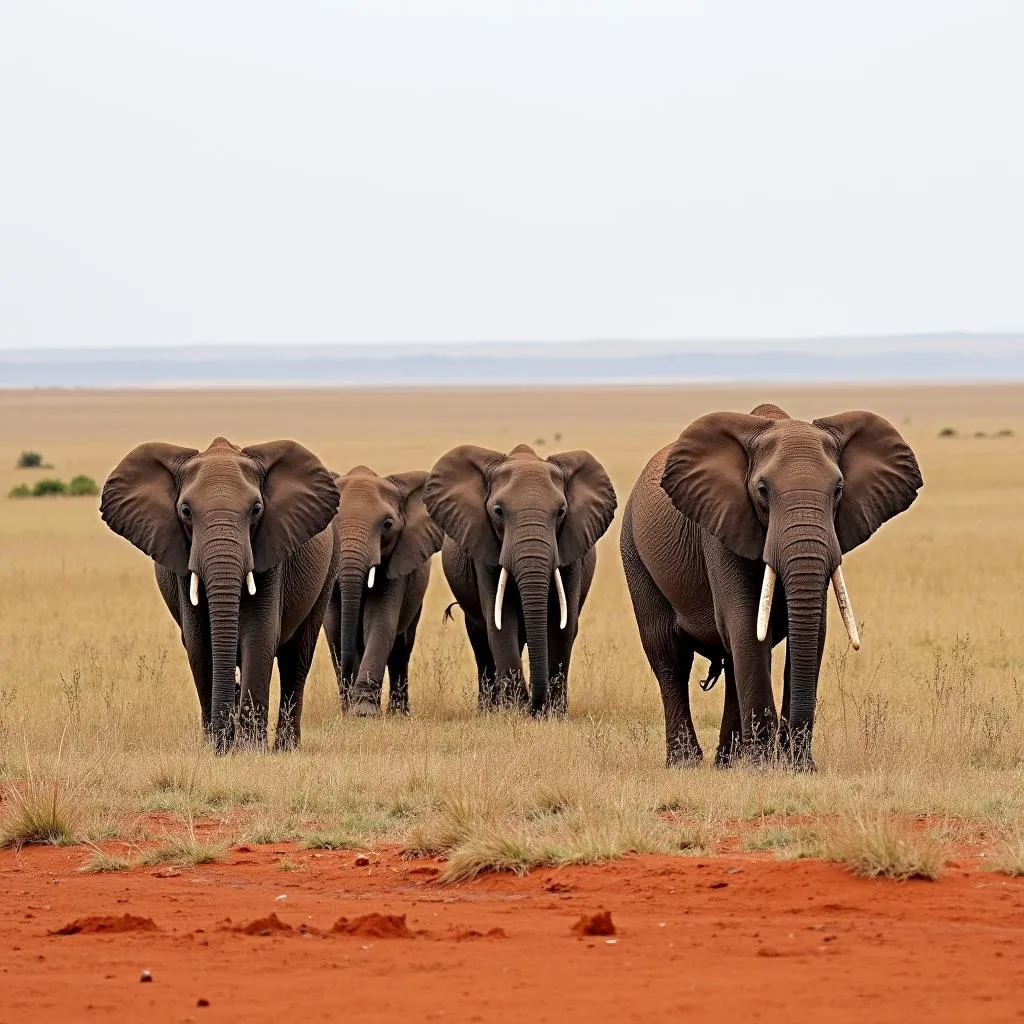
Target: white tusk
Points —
{"points": [[563, 609], [764, 609], [499, 599], [250, 584], [839, 586], [370, 578], [193, 590]]}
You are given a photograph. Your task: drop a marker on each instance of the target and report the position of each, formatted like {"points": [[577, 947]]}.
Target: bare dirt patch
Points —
{"points": [[782, 939]]}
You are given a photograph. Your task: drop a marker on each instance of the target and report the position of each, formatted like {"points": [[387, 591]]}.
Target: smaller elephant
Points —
{"points": [[519, 557], [245, 560], [386, 540]]}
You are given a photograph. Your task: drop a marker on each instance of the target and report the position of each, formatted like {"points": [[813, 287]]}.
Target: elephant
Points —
{"points": [[215, 522], [715, 520], [519, 557], [386, 540]]}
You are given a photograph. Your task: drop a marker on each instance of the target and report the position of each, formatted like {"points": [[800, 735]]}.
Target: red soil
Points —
{"points": [[734, 935]]}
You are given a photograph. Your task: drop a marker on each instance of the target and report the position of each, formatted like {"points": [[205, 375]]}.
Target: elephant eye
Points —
{"points": [[562, 509], [186, 512], [839, 490], [256, 511], [388, 524], [762, 490], [499, 510]]}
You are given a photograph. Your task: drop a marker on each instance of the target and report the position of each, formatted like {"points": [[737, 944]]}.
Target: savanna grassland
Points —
{"points": [[99, 723]]}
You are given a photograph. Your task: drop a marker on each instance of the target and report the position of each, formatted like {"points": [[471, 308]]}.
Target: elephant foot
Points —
{"points": [[684, 753], [725, 757], [364, 709], [398, 707]]}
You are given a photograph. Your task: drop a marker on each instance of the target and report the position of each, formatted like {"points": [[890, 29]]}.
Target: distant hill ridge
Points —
{"points": [[925, 358]]}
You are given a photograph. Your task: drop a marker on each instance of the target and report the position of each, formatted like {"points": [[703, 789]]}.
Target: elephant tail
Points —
{"points": [[448, 617], [714, 671]]}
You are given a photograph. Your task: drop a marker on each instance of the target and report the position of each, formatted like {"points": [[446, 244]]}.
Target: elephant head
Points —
{"points": [[385, 530], [528, 516], [798, 496], [219, 518]]}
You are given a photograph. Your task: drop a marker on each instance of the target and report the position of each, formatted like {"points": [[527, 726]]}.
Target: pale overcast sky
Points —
{"points": [[229, 172]]}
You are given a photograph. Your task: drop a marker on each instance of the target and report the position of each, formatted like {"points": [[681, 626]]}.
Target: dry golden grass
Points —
{"points": [[927, 719], [874, 846]]}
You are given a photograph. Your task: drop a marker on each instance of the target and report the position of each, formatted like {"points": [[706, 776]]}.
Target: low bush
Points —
{"points": [[48, 486], [21, 491], [83, 486], [30, 460]]}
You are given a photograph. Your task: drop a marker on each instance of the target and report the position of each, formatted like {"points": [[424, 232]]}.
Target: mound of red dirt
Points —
{"points": [[107, 925], [595, 924], [466, 934], [374, 926], [263, 926]]}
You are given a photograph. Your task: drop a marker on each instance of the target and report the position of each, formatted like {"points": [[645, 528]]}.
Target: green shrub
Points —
{"points": [[49, 486], [82, 485], [21, 491], [30, 460], [947, 432]]}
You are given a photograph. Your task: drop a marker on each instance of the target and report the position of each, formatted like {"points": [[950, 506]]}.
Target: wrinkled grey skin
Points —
{"points": [[530, 516], [708, 512], [223, 513], [381, 524]]}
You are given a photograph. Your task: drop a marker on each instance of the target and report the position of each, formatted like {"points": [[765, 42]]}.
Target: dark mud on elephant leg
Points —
{"points": [[398, 670]]}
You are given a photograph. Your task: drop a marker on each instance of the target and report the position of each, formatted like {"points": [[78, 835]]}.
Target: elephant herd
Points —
{"points": [[729, 541]]}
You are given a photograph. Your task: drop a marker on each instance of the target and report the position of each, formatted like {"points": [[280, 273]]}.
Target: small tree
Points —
{"points": [[30, 460], [21, 491]]}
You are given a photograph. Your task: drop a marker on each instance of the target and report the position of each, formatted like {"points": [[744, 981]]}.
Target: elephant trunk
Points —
{"points": [[807, 553], [358, 561], [222, 566], [533, 572]]}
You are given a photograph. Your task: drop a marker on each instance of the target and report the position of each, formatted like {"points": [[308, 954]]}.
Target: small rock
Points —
{"points": [[719, 885], [202, 1002], [166, 873], [362, 861], [145, 977]]}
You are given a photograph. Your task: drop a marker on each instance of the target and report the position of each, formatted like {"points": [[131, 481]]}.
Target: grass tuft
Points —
{"points": [[1008, 856], [38, 812], [100, 862], [878, 847]]}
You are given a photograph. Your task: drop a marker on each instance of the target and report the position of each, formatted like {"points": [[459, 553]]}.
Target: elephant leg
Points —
{"points": [[486, 671], [195, 638], [670, 655], [561, 641], [730, 737], [759, 722], [254, 698], [380, 628], [294, 660], [398, 670], [332, 630]]}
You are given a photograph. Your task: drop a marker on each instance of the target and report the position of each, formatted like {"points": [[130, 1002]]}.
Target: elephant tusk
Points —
{"points": [[193, 590], [839, 586], [764, 609], [499, 599], [250, 584], [563, 609], [370, 578]]}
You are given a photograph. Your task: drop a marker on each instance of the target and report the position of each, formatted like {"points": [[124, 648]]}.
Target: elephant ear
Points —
{"points": [[139, 503], [706, 473], [456, 498], [300, 498], [590, 504], [881, 476], [421, 537]]}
